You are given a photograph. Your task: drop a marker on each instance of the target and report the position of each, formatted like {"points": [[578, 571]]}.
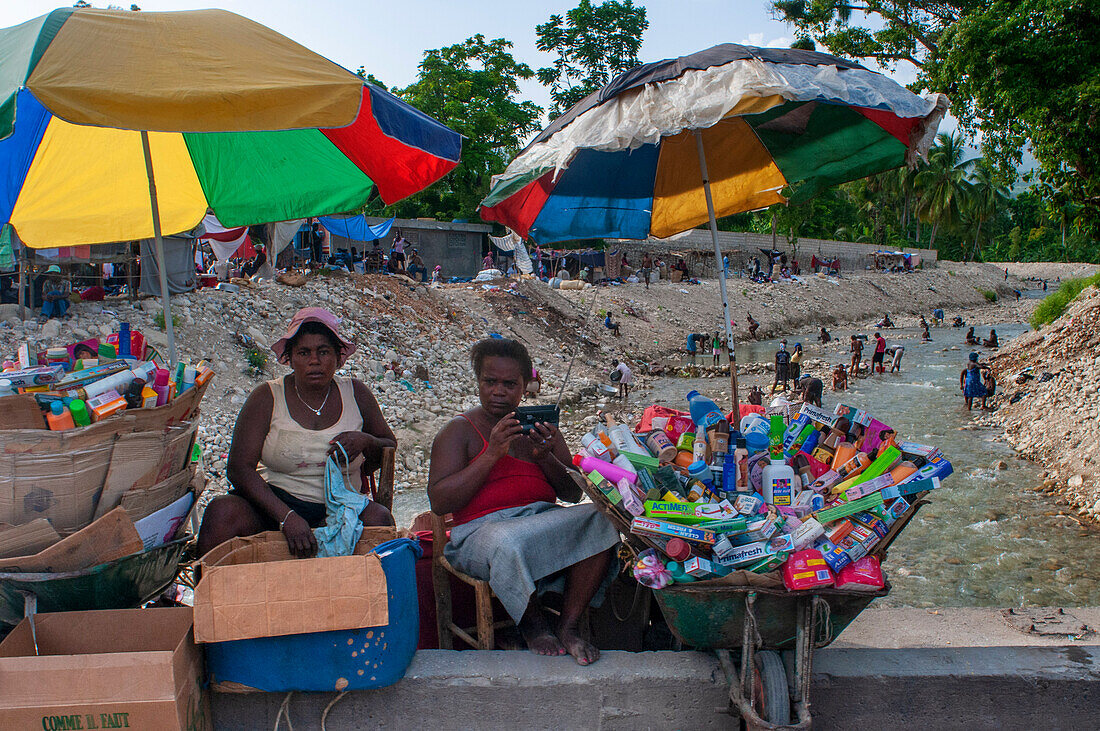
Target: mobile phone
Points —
{"points": [[528, 416]]}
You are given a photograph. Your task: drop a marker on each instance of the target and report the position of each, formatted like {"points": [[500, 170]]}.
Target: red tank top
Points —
{"points": [[511, 483]]}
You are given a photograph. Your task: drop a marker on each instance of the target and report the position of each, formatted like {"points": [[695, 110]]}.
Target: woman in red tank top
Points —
{"points": [[501, 485]]}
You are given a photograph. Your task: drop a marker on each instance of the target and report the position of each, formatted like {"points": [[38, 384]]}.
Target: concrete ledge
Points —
{"points": [[931, 669], [508, 690]]}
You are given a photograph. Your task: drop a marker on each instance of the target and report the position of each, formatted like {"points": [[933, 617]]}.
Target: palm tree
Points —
{"points": [[986, 197], [942, 183]]}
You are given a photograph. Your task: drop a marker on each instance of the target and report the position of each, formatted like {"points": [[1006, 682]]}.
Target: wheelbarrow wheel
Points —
{"points": [[774, 701]]}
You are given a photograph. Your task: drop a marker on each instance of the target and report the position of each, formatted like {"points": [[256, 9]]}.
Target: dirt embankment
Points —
{"points": [[1050, 408], [1051, 271]]}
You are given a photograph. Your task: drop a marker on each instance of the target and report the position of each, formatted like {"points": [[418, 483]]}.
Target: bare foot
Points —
{"points": [[585, 653], [537, 634]]}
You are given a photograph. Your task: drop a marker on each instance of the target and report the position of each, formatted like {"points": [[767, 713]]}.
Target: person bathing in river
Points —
{"points": [[970, 383], [291, 425], [753, 325], [782, 366], [879, 358], [809, 390], [502, 485], [895, 364], [824, 336], [926, 337], [840, 378], [971, 338], [856, 349], [991, 341]]}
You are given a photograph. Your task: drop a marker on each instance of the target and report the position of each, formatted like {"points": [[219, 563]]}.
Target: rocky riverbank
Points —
{"points": [[1050, 403], [427, 332]]}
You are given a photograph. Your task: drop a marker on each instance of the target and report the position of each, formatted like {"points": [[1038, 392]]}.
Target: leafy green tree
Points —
{"points": [[1029, 71], [1020, 72], [593, 43], [884, 31], [472, 87], [942, 184], [985, 199]]}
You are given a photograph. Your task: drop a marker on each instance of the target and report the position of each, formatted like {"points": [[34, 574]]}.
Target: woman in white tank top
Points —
{"points": [[284, 434]]}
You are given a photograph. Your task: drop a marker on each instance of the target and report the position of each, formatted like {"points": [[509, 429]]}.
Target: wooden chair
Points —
{"points": [[381, 489], [483, 635]]}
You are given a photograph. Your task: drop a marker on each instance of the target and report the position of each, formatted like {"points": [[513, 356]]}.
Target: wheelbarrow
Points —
{"points": [[776, 631], [126, 582]]}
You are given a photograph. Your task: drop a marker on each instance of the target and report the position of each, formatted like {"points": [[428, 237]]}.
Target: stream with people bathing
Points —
{"points": [[985, 539]]}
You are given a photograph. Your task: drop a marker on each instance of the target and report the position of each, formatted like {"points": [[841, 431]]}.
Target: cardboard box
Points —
{"points": [[254, 587], [111, 537], [61, 475], [123, 668]]}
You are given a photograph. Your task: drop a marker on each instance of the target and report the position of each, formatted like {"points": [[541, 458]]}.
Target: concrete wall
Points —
{"points": [[742, 246]]}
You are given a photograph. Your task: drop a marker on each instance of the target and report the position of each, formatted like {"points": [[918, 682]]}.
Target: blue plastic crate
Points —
{"points": [[353, 659]]}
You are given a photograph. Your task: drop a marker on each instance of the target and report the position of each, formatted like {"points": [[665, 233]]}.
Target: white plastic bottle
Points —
{"points": [[778, 483]]}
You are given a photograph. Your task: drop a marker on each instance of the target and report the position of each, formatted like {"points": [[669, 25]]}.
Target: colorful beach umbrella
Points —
{"points": [[118, 125], [667, 146]]}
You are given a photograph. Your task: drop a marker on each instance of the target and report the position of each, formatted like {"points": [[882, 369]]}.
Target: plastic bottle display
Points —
{"points": [[91, 389], [807, 517]]}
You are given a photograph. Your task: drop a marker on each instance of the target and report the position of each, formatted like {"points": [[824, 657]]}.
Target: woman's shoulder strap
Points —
{"points": [[472, 424]]}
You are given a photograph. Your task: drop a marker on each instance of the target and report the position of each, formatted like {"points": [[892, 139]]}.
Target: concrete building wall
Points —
{"points": [[457, 247]]}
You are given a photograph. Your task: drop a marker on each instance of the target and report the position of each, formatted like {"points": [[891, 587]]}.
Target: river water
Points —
{"points": [[985, 539]]}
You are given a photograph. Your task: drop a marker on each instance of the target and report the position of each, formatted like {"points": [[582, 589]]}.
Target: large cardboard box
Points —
{"points": [[124, 668], [254, 587], [61, 475]]}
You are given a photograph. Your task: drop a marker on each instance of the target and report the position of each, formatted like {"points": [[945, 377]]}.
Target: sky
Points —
{"points": [[389, 38]]}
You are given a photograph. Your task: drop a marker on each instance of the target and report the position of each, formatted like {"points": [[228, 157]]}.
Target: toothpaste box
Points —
{"points": [[807, 533], [728, 526], [758, 530], [674, 511], [936, 467], [700, 568], [907, 487], [834, 555], [872, 523], [912, 449], [817, 414], [866, 488], [742, 555], [844, 510], [645, 526], [768, 563], [748, 504], [37, 376]]}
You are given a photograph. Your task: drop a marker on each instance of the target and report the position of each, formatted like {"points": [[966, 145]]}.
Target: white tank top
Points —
{"points": [[294, 457]]}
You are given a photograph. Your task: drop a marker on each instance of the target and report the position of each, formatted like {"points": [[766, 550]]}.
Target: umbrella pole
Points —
{"points": [[721, 276], [159, 242]]}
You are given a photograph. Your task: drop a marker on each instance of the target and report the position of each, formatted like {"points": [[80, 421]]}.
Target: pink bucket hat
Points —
{"points": [[313, 314]]}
